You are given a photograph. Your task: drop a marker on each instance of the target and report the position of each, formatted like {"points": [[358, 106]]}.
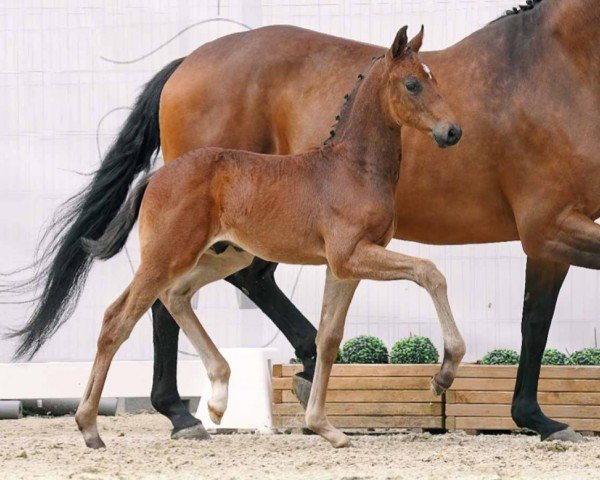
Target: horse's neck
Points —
{"points": [[576, 26], [371, 139]]}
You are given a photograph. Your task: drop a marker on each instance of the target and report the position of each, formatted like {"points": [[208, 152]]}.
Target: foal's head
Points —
{"points": [[412, 92]]}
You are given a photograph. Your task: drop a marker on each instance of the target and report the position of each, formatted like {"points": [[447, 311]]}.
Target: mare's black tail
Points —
{"points": [[61, 268]]}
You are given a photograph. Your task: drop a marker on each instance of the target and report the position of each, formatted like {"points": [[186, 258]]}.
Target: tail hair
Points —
{"points": [[62, 263], [115, 236]]}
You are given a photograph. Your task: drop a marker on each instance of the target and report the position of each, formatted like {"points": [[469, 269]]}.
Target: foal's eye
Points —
{"points": [[413, 85]]}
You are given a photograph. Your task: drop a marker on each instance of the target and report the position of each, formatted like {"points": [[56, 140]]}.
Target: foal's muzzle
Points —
{"points": [[446, 134]]}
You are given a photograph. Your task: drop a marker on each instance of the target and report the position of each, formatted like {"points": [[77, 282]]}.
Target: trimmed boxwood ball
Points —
{"points": [[587, 356], [364, 349], [414, 349], [501, 356], [552, 356]]}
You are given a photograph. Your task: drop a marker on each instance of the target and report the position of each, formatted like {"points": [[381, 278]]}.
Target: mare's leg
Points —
{"points": [[257, 282], [165, 397], [575, 240], [373, 262], [336, 301], [177, 299], [542, 286], [119, 320]]}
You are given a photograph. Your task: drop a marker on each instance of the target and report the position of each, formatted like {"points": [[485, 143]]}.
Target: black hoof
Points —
{"points": [[566, 435], [301, 388], [195, 432]]}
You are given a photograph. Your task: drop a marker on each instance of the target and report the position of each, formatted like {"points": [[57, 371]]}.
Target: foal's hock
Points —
{"points": [[299, 209]]}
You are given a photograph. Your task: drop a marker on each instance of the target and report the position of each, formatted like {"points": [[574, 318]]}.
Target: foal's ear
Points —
{"points": [[415, 43], [400, 43]]}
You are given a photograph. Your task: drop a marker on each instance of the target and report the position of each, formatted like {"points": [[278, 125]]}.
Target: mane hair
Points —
{"points": [[529, 5], [349, 99]]}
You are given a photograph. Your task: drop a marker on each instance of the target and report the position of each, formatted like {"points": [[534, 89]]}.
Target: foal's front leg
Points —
{"points": [[373, 262], [336, 301]]}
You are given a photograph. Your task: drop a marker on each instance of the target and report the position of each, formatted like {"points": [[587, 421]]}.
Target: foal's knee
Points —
{"points": [[176, 303], [328, 344]]}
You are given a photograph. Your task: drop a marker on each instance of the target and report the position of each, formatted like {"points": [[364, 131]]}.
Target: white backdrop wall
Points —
{"points": [[63, 95]]}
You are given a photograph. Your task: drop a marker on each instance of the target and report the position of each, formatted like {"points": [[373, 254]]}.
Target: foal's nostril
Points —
{"points": [[447, 135], [454, 134]]}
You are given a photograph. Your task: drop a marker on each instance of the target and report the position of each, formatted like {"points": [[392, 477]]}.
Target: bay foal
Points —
{"points": [[333, 206]]}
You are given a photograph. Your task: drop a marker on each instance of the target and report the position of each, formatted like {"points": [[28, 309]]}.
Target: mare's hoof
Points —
{"points": [[215, 415], [436, 388], [195, 432], [301, 388], [95, 443], [566, 435]]}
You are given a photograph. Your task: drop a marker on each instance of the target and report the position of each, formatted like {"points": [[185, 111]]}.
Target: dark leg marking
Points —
{"points": [[165, 396], [542, 286]]}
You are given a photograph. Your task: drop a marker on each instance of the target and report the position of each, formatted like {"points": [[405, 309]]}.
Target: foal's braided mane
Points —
{"points": [[348, 100], [529, 5]]}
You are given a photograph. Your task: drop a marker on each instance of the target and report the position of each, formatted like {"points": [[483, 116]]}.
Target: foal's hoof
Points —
{"points": [[95, 443], [301, 388], [195, 432], [215, 415], [566, 435], [436, 388], [340, 441]]}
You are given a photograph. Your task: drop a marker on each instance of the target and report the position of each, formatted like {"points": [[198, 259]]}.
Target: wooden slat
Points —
{"points": [[362, 421], [545, 385], [364, 409], [471, 396], [465, 370], [369, 396], [506, 423], [364, 383], [545, 398], [481, 423], [385, 370], [277, 396], [487, 410], [510, 371]]}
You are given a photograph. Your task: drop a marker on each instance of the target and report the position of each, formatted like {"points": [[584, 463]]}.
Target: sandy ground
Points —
{"points": [[139, 447]]}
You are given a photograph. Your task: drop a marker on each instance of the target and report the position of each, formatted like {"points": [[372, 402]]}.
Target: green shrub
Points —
{"points": [[364, 349], [501, 356], [587, 356], [414, 349], [554, 357]]}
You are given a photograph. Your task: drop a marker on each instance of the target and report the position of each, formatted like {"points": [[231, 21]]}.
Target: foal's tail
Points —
{"points": [[62, 265], [114, 237]]}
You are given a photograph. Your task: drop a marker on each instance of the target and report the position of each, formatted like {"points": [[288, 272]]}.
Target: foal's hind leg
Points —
{"points": [[373, 262], [177, 299], [119, 320], [336, 301]]}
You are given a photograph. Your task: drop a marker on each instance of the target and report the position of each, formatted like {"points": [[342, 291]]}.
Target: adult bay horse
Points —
{"points": [[334, 205], [526, 89]]}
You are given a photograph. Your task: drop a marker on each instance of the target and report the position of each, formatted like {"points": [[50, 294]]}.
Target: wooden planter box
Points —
{"points": [[365, 397], [481, 396]]}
